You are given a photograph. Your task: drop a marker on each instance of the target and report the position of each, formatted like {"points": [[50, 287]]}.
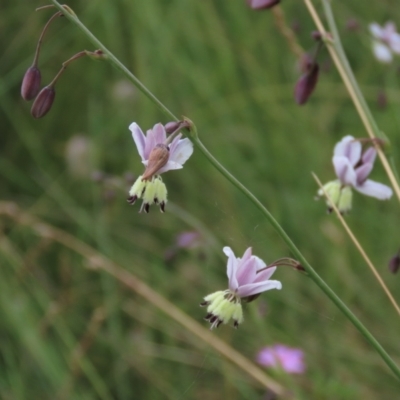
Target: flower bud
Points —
{"points": [[261, 4], [394, 264], [172, 126], [306, 85], [157, 159], [31, 83], [316, 35], [43, 102]]}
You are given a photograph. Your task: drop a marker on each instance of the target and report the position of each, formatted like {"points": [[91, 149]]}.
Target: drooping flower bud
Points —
{"points": [[316, 35], [157, 159], [261, 4], [43, 102], [394, 264], [306, 84], [31, 83], [172, 126]]}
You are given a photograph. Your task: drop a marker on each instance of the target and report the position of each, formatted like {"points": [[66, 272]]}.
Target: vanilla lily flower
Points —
{"points": [[385, 41], [159, 155], [248, 277], [352, 168]]}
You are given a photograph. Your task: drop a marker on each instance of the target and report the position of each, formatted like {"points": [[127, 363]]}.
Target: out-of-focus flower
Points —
{"points": [[261, 4], [385, 41], [352, 168], [159, 155], [279, 356], [248, 277], [188, 240]]}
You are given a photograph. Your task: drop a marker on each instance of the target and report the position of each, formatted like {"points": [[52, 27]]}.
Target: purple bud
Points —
{"points": [[394, 264], [306, 85], [31, 83], [172, 126], [316, 35], [43, 102], [261, 4]]}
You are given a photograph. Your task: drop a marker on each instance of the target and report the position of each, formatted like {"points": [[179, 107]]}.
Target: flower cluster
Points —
{"points": [[385, 41], [352, 169], [159, 155], [248, 277]]}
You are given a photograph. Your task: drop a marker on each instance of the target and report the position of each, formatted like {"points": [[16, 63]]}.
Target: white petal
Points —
{"points": [[160, 136], [394, 43], [139, 139], [375, 189], [349, 148], [260, 264], [254, 288], [182, 151], [344, 170], [170, 165], [376, 30], [265, 274], [231, 268], [382, 52]]}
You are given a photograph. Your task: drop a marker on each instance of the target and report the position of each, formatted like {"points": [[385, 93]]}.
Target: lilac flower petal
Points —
{"points": [[344, 170], [394, 43], [170, 165], [363, 172], [246, 271], [174, 143], [150, 143], [260, 4], [382, 52], [259, 287], [376, 30], [375, 189], [182, 151], [159, 133], [264, 275], [348, 148], [260, 264], [139, 139], [247, 254], [231, 268], [369, 156]]}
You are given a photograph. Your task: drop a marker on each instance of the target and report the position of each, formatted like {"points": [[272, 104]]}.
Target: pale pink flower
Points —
{"points": [[385, 42], [279, 356], [352, 167], [247, 277], [179, 149]]}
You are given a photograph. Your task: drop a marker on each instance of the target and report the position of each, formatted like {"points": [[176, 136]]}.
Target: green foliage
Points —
{"points": [[228, 69]]}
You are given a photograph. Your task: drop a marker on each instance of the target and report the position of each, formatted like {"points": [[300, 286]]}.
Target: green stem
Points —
{"points": [[296, 252], [114, 60]]}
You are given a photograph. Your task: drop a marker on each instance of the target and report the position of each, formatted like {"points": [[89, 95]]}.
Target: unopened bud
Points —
{"points": [[43, 102], [394, 264], [306, 85], [31, 83], [157, 159], [316, 35], [172, 126], [261, 4]]}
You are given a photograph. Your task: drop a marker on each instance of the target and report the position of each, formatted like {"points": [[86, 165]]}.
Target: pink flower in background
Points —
{"points": [[385, 41], [283, 357]]}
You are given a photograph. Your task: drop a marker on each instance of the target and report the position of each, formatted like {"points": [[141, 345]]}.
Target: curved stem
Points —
{"points": [[296, 252]]}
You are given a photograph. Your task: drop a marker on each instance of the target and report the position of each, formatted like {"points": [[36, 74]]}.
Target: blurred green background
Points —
{"points": [[228, 69]]}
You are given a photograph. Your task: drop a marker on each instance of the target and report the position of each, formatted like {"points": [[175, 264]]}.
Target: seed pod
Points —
{"points": [[261, 4], [43, 102], [306, 85], [31, 83], [157, 159]]}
